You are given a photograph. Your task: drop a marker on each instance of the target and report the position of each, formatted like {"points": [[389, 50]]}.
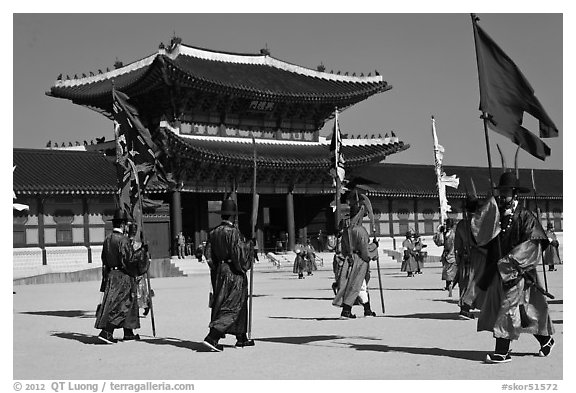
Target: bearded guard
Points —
{"points": [[515, 301]]}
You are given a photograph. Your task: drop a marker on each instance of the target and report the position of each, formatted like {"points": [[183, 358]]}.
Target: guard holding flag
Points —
{"points": [[515, 301], [229, 257]]}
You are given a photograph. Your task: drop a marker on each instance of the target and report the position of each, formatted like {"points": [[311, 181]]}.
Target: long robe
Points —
{"points": [[229, 258], [409, 262], [551, 254], [512, 306], [119, 307], [449, 267], [355, 270], [300, 264], [470, 260]]}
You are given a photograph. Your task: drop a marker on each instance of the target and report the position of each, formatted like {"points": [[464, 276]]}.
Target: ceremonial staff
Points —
{"points": [[538, 213], [253, 222], [141, 226]]}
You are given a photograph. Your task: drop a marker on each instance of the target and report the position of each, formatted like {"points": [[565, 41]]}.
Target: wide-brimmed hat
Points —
{"points": [[508, 181], [228, 208], [119, 216], [471, 203]]}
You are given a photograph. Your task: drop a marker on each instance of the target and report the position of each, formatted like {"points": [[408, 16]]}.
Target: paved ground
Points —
{"points": [[298, 333]]}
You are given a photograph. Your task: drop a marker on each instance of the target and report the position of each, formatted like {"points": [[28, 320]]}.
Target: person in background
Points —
{"points": [[445, 237], [181, 242], [409, 263], [300, 263], [419, 252], [551, 254]]}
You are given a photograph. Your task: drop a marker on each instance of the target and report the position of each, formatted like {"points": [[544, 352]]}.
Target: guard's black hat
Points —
{"points": [[508, 180], [228, 208], [119, 216]]}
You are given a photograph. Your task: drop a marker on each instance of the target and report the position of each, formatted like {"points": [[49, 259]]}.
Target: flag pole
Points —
{"points": [[253, 223], [338, 185], [141, 226], [538, 214], [436, 167]]}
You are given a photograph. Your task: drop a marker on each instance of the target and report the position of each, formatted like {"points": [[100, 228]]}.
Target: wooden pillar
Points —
{"points": [[416, 222], [290, 219], [197, 219], [86, 215], [391, 222], [41, 243], [175, 218]]}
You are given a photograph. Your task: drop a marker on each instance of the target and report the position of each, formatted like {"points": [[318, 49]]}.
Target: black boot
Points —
{"points": [[211, 340], [242, 341], [367, 311], [347, 312], [130, 336], [501, 352]]}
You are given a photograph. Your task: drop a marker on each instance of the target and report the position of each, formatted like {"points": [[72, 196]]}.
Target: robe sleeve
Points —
{"points": [[524, 257], [362, 240]]}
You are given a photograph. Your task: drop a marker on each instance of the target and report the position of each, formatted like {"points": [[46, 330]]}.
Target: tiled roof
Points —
{"points": [[279, 155], [251, 76], [45, 171], [406, 180]]}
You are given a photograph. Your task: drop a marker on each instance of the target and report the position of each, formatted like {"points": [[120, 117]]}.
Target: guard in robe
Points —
{"points": [[470, 260], [352, 285], [419, 252], [409, 262], [514, 301], [300, 263], [551, 254], [445, 237], [229, 257], [119, 307]]}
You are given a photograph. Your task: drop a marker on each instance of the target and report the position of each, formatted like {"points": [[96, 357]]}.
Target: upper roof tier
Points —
{"points": [[249, 76]]}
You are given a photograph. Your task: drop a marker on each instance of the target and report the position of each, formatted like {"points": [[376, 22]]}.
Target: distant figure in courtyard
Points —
{"points": [[445, 237], [300, 263], [181, 242], [551, 254], [419, 252], [409, 262], [229, 257], [119, 307]]}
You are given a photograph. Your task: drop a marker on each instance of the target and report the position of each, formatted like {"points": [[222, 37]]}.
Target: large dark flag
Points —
{"points": [[505, 94], [336, 157], [136, 156]]}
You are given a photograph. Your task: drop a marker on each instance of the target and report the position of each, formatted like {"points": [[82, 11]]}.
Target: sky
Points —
{"points": [[429, 59]]}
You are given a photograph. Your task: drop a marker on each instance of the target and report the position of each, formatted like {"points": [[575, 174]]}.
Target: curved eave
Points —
{"points": [[148, 73], [295, 156], [452, 195]]}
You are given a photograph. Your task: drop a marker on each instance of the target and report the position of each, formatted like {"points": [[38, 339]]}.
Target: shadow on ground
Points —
{"points": [[299, 339], [63, 313], [476, 356], [441, 315], [175, 342], [309, 318]]}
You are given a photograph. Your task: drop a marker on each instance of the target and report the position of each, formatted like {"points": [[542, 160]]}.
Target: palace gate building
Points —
{"points": [[202, 107]]}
